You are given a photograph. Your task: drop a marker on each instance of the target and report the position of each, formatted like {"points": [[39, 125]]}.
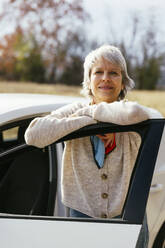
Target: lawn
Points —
{"points": [[154, 99]]}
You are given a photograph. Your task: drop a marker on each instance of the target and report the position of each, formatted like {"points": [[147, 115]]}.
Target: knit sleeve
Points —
{"points": [[122, 113], [68, 110], [44, 131]]}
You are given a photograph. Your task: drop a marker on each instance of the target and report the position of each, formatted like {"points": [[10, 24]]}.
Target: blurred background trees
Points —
{"points": [[141, 48], [48, 43], [45, 46]]}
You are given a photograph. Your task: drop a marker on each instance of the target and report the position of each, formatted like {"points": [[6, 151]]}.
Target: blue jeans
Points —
{"points": [[143, 238]]}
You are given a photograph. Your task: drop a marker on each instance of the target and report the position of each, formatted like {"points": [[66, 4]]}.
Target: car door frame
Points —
{"points": [[151, 133]]}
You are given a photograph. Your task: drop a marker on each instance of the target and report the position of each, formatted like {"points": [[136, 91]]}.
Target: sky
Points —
{"points": [[119, 13]]}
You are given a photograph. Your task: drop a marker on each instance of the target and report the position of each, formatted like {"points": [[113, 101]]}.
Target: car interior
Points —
{"points": [[24, 176]]}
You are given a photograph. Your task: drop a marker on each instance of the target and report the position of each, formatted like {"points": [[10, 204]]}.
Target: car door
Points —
{"points": [[43, 231]]}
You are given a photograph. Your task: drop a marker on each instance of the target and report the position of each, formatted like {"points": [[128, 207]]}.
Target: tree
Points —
{"points": [[141, 49], [21, 58], [8, 56], [70, 56], [147, 69], [50, 21], [73, 72], [29, 64]]}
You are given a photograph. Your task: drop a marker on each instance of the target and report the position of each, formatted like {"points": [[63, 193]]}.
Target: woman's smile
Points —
{"points": [[105, 87]]}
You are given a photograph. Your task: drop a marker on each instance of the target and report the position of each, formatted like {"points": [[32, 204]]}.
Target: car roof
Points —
{"points": [[19, 106]]}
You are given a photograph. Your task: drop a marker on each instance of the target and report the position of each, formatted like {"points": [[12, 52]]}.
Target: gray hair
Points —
{"points": [[112, 54]]}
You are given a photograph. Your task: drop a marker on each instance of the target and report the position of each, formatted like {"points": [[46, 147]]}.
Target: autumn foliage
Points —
{"points": [[7, 54], [41, 31]]}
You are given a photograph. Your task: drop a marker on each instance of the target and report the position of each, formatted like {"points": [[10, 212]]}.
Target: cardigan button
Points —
{"points": [[103, 215], [104, 195], [104, 176]]}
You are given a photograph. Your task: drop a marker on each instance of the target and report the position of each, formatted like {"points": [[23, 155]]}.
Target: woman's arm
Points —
{"points": [[68, 110], [46, 130], [122, 113]]}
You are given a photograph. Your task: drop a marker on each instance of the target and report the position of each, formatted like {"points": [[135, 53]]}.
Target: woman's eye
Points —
{"points": [[113, 73], [98, 72]]}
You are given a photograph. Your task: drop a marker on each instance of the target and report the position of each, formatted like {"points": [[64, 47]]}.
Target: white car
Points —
{"points": [[31, 212]]}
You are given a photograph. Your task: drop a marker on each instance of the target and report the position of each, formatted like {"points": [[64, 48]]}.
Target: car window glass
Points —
{"points": [[11, 133], [12, 136], [161, 155]]}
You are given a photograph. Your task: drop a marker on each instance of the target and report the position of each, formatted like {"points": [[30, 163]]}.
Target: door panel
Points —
{"points": [[21, 233]]}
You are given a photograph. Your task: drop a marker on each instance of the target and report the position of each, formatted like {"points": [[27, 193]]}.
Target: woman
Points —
{"points": [[96, 170]]}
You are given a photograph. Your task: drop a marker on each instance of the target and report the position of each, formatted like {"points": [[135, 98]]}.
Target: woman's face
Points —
{"points": [[105, 81]]}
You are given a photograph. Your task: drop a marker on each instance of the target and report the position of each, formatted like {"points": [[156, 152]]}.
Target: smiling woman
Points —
{"points": [[96, 170]]}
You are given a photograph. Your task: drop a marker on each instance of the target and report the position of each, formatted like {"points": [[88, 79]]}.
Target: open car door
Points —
{"points": [[31, 231]]}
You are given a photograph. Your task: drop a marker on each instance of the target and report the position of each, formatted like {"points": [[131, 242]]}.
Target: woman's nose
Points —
{"points": [[106, 76]]}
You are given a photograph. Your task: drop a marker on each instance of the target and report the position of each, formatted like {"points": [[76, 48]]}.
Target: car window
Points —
{"points": [[161, 155], [11, 133]]}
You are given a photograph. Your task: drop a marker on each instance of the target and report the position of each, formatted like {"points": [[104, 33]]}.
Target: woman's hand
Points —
{"points": [[107, 138]]}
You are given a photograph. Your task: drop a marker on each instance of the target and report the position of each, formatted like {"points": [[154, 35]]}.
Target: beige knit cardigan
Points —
{"points": [[92, 191]]}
